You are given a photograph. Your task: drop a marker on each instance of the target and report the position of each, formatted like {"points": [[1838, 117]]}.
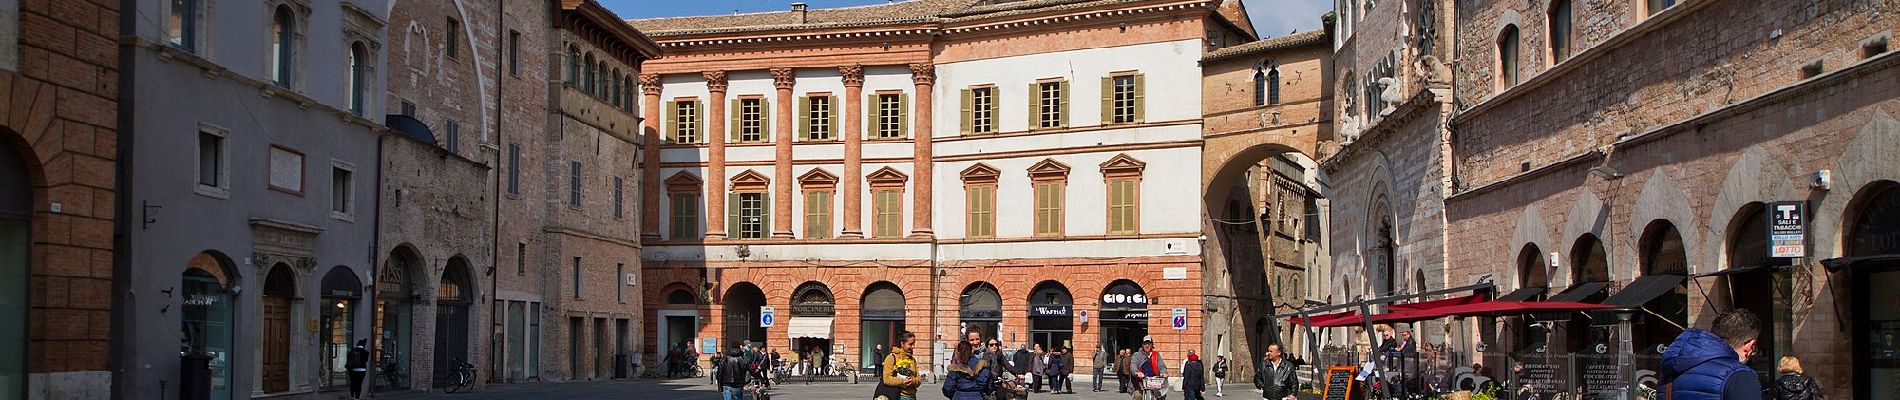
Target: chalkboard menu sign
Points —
{"points": [[1338, 383]]}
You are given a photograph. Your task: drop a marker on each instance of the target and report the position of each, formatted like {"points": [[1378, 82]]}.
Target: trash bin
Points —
{"points": [[194, 376], [621, 364]]}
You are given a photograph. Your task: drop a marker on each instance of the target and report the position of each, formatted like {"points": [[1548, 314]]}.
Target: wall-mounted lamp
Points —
{"points": [[1606, 172]]}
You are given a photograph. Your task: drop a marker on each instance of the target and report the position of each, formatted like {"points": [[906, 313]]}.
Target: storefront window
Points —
{"points": [[981, 310], [1124, 315], [205, 327], [16, 205], [1052, 316], [341, 290], [881, 320]]}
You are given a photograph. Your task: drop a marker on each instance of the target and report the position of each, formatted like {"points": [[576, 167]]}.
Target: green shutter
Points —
{"points": [[1062, 116], [903, 116], [870, 110], [732, 216], [673, 121], [765, 121], [732, 121], [966, 123], [765, 214], [1035, 103], [699, 121], [1141, 98], [1108, 100], [804, 119], [833, 109]]}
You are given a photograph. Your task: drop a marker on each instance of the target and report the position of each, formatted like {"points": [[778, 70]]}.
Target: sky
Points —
{"points": [[1272, 18]]}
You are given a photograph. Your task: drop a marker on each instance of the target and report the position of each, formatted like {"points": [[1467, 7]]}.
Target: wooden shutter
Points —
{"points": [[732, 121], [967, 122], [1062, 115], [1108, 100], [832, 109], [765, 215], [765, 121], [699, 121], [1035, 105], [804, 119], [870, 111], [903, 116], [673, 121], [1141, 98]]}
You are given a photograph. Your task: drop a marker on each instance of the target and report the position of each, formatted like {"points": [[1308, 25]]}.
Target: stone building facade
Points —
{"points": [[59, 165], [1631, 142], [929, 166]]}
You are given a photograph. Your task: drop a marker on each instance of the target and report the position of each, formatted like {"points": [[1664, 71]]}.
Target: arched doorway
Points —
{"points": [[1384, 262], [16, 242], [1051, 316], [679, 321], [396, 298], [813, 308], [1589, 276], [205, 316], [743, 300], [1532, 337], [452, 300], [881, 319], [980, 310], [1757, 288], [1661, 253], [341, 291], [1874, 230], [280, 294], [1124, 315]]}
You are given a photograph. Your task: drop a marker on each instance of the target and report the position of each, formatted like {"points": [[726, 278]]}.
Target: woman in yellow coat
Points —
{"points": [[900, 370]]}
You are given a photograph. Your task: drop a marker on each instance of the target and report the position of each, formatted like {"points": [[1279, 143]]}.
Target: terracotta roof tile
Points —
{"points": [[898, 12], [1301, 39]]}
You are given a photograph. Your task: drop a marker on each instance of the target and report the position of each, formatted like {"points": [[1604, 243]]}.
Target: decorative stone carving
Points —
{"points": [[923, 73], [715, 80], [650, 84], [781, 77], [853, 74]]}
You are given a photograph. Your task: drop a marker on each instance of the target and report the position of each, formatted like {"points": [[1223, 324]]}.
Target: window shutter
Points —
{"points": [[765, 121], [765, 214], [1141, 98], [1035, 105], [833, 108], [1108, 100], [966, 123], [1062, 112], [672, 120], [903, 116], [699, 121], [804, 119], [870, 109], [732, 216], [732, 121]]}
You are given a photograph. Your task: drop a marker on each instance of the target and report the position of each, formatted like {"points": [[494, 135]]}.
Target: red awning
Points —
{"points": [[1315, 320], [1489, 308], [1426, 305]]}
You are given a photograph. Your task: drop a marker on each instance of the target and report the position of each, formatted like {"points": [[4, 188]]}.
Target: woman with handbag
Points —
{"points": [[898, 379]]}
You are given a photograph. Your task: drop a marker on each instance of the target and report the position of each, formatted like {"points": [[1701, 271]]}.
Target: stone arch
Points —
{"points": [[468, 41], [1866, 163], [679, 294], [1755, 176], [1661, 199], [1588, 216], [1531, 231]]}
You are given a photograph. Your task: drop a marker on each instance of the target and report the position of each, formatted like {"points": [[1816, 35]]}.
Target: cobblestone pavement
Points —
{"points": [[700, 389]]}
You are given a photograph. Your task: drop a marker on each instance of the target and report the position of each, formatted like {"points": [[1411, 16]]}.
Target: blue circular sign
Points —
{"points": [[765, 319], [1180, 321]]}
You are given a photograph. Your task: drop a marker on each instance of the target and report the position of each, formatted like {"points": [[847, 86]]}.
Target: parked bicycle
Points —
{"points": [[390, 374], [460, 377]]}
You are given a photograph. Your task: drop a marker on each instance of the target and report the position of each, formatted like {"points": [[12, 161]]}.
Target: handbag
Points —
{"points": [[1154, 383], [887, 392]]}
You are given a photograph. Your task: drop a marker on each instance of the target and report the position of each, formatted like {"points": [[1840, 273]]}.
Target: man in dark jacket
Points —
{"points": [[1275, 377], [1193, 378], [357, 361], [1121, 371], [1710, 365], [734, 373]]}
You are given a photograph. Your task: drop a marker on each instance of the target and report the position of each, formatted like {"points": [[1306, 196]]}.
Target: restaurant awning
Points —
{"points": [[1524, 294], [1577, 293], [810, 327], [1642, 290], [1843, 263], [1489, 309], [1426, 305], [1320, 319]]}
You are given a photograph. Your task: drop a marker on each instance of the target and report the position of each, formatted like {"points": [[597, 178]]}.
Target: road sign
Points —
{"points": [[767, 316], [1180, 319], [1084, 314], [1787, 229]]}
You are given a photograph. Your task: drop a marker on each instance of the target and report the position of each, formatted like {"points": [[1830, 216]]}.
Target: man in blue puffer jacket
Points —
{"points": [[1709, 365]]}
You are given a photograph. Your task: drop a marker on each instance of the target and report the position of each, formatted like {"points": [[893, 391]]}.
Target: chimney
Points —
{"points": [[798, 9]]}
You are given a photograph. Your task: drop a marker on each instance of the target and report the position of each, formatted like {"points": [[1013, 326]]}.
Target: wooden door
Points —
{"points": [[276, 343]]}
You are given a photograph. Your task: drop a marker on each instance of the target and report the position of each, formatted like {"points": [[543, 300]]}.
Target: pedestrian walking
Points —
{"points": [[969, 377], [1701, 364], [899, 379], [1275, 377], [1100, 362], [1053, 369], [1121, 371], [357, 361], [1068, 370], [733, 375], [1037, 361], [1150, 370], [1794, 384], [1220, 375], [1193, 378], [877, 357]]}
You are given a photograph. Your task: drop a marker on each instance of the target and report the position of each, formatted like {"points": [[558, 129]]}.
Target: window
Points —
{"points": [[514, 168], [751, 120], [408, 108], [359, 76], [818, 214], [573, 65], [890, 115], [283, 43], [1656, 6], [685, 217], [211, 156], [1124, 196], [1559, 31], [981, 204], [1121, 99], [577, 277], [454, 133], [620, 287], [1047, 104], [182, 24], [451, 39], [514, 52], [818, 118], [1259, 88], [521, 258], [1273, 86], [613, 97], [979, 110], [1049, 208], [286, 170], [1873, 46], [751, 216], [889, 209], [627, 92], [685, 121], [1507, 58], [340, 191], [601, 79], [619, 205], [587, 77], [574, 184]]}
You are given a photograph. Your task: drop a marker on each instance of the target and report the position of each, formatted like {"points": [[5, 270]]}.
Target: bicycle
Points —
{"points": [[390, 374], [460, 377]]}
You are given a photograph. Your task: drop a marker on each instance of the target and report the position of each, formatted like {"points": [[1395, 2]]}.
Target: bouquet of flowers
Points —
{"points": [[905, 368]]}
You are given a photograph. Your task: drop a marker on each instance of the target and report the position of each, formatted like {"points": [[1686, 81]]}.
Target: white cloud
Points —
{"points": [[1275, 18]]}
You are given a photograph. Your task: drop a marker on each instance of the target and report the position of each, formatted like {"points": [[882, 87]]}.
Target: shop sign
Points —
{"points": [[1048, 310], [1124, 315], [1125, 299], [1787, 229], [200, 300]]}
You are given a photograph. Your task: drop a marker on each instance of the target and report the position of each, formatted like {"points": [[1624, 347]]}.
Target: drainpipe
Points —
{"points": [[494, 234], [123, 352]]}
